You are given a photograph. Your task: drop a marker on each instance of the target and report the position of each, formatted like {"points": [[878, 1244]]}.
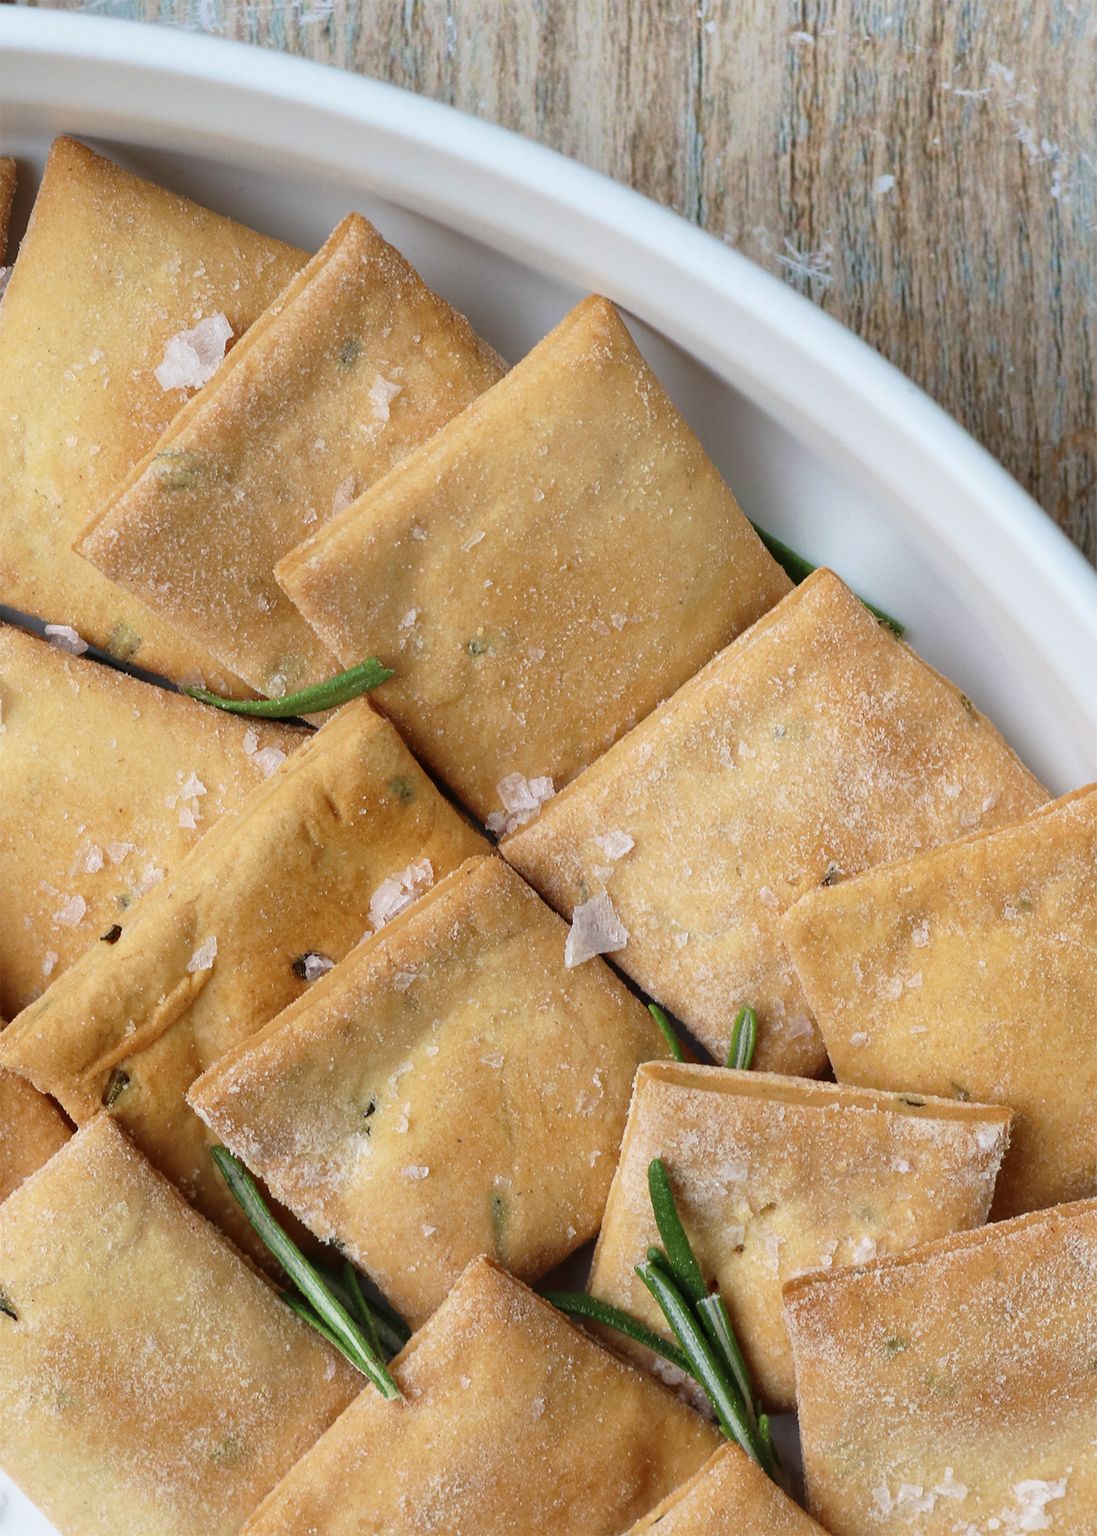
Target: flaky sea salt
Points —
{"points": [[345, 492], [71, 914], [522, 800], [863, 1250], [204, 955], [858, 1038], [192, 788], [595, 930], [615, 844], [251, 742], [382, 392], [397, 893], [5, 279], [472, 541], [415, 1171], [117, 851], [316, 965], [49, 960], [64, 638], [268, 759], [191, 358]]}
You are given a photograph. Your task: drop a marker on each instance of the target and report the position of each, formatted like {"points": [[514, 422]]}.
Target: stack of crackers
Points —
{"points": [[399, 963]]}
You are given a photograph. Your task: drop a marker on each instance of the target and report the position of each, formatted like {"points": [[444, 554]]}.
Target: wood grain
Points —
{"points": [[925, 170]]}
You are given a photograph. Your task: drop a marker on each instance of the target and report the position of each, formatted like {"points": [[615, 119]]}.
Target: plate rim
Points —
{"points": [[810, 372]]}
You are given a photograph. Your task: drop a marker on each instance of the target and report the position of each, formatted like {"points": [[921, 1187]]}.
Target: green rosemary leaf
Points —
{"points": [[717, 1324], [304, 1275], [361, 1308], [704, 1366], [307, 1315], [796, 567], [308, 701], [666, 1029], [580, 1304], [680, 1256], [744, 1037]]}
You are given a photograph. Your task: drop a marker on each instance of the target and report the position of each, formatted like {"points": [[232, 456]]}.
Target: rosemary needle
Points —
{"points": [[744, 1037], [666, 1029], [338, 1325], [796, 567], [337, 690], [361, 1307], [680, 1256], [717, 1324], [704, 1365], [580, 1304]]}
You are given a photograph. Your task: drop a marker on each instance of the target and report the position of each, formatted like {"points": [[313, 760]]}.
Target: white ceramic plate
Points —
{"points": [[823, 442]]}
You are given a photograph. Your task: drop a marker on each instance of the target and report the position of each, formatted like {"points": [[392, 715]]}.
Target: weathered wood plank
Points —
{"points": [[926, 171]]}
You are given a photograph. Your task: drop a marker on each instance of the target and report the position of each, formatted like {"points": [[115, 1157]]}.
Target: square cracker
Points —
{"points": [[514, 1423], [7, 196], [412, 1107], [815, 745], [110, 268], [150, 1383], [31, 1131], [729, 1494], [352, 367], [208, 956], [972, 970], [555, 561], [778, 1175], [952, 1391], [107, 783]]}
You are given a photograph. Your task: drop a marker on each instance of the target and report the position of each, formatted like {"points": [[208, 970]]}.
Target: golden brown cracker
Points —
{"points": [[953, 1390], [815, 745], [555, 561], [355, 365], [110, 268], [971, 970], [513, 1423], [774, 1176], [149, 1380]]}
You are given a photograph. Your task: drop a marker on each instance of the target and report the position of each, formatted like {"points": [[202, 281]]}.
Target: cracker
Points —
{"points": [[31, 1131], [110, 268], [776, 1175], [413, 1107], [513, 1423], [554, 562], [149, 1380], [972, 971], [952, 1391], [209, 956], [731, 1493], [356, 364], [107, 784], [7, 197], [816, 745]]}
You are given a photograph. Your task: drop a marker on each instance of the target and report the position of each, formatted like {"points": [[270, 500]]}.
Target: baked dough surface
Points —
{"points": [[556, 560], [111, 267], [449, 1090], [972, 970], [952, 1391], [778, 1175], [31, 1131], [107, 783], [150, 1384], [355, 364], [817, 744], [729, 1496], [514, 1423], [132, 1024]]}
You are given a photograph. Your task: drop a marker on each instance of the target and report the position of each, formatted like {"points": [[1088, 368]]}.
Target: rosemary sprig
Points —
{"points": [[704, 1367], [337, 690], [680, 1257], [591, 1309], [323, 1306], [744, 1037], [796, 567], [666, 1029]]}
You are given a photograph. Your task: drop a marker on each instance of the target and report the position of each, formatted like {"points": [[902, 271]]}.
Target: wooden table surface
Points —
{"points": [[925, 170]]}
